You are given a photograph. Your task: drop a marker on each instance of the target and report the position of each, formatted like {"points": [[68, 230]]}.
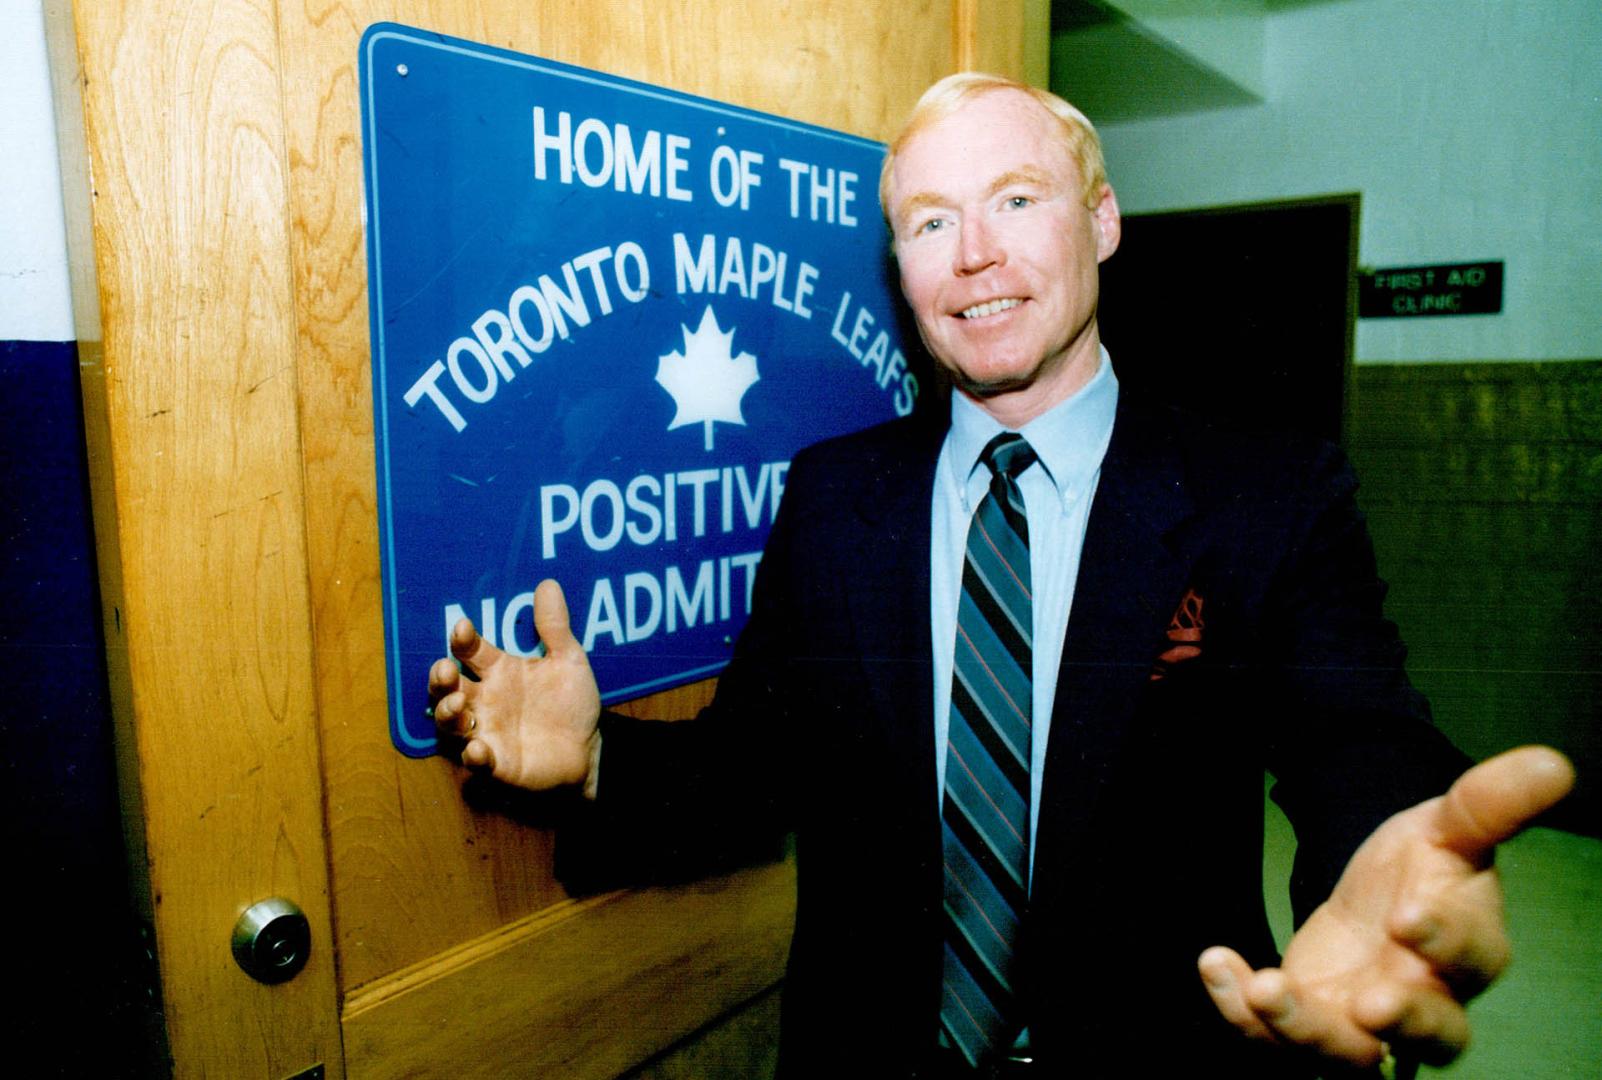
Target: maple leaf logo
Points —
{"points": [[707, 380]]}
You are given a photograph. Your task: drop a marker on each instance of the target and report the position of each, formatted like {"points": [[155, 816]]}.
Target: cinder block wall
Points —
{"points": [[1482, 483]]}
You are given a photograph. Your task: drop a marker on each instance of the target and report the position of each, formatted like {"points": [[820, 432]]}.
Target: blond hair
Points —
{"points": [[952, 92]]}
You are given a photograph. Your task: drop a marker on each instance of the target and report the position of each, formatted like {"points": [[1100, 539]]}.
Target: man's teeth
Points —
{"points": [[990, 307]]}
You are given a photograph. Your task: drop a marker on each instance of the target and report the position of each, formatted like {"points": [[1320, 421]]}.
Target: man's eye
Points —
{"points": [[933, 225], [1018, 202]]}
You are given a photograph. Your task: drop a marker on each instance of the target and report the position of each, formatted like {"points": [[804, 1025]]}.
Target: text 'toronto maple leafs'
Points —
{"points": [[707, 381]]}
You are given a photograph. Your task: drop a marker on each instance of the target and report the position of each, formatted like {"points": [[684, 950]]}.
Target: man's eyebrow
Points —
{"points": [[914, 204], [924, 200], [1018, 177]]}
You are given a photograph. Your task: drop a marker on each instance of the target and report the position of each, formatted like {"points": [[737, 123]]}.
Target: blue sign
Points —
{"points": [[605, 315]]}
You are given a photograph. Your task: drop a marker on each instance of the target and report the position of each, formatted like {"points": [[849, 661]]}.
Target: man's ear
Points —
{"points": [[1109, 223]]}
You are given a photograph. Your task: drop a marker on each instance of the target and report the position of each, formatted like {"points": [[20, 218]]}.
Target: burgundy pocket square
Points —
{"points": [[1184, 635]]}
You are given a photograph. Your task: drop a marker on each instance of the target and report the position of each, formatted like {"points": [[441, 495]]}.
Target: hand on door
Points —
{"points": [[527, 721]]}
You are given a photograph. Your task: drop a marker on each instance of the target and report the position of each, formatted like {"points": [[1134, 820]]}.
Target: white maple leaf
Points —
{"points": [[707, 380]]}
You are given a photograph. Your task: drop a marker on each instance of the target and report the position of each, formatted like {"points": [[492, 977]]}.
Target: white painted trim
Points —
{"points": [[35, 293]]}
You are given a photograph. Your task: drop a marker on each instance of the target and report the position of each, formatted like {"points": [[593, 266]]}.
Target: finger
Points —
{"points": [[1459, 932], [443, 678], [469, 647], [478, 755], [1224, 974], [551, 619], [450, 714], [1497, 798], [1307, 1021], [1431, 1026]]}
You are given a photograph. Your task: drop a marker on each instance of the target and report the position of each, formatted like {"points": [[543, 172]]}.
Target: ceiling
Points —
{"points": [[1124, 60]]}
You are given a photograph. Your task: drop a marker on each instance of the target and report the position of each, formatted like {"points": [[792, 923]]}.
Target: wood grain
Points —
{"points": [[583, 989], [743, 1044], [1003, 37], [66, 91], [185, 135]]}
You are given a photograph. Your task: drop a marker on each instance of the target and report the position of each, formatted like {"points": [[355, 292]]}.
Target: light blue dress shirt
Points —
{"points": [[1071, 440]]}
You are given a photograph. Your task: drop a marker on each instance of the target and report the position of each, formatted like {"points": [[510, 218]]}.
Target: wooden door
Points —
{"points": [[229, 405]]}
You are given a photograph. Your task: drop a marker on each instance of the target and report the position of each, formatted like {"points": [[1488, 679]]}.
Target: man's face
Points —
{"points": [[999, 254]]}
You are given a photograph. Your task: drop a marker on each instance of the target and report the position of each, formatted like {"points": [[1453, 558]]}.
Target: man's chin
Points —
{"points": [[990, 389]]}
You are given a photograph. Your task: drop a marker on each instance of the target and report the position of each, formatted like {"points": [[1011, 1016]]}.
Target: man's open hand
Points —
{"points": [[1411, 932], [527, 721]]}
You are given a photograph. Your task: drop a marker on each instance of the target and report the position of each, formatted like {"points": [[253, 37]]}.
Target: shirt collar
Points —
{"points": [[1070, 438]]}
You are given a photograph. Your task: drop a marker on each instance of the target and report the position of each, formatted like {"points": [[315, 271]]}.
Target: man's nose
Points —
{"points": [[978, 248]]}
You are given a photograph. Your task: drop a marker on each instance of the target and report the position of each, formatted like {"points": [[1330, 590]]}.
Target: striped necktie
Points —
{"points": [[985, 814]]}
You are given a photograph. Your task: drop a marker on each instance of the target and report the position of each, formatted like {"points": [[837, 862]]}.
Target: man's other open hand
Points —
{"points": [[1411, 932]]}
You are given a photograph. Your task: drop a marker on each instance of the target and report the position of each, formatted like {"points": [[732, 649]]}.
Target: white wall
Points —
{"points": [[1473, 130], [35, 298]]}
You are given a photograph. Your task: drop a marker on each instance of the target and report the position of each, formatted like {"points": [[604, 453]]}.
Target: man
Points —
{"points": [[1013, 681]]}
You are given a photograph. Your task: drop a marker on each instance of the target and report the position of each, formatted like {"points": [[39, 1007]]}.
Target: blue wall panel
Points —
{"points": [[74, 946]]}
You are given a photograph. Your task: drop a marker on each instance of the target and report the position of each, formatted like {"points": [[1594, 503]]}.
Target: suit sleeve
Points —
{"points": [[680, 799], [1351, 740]]}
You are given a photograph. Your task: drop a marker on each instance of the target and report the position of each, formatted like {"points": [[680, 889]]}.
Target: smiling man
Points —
{"points": [[999, 262], [1013, 677]]}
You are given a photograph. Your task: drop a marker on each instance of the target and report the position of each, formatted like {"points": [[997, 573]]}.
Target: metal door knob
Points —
{"points": [[272, 940]]}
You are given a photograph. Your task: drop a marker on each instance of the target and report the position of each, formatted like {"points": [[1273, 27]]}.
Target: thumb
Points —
{"points": [[1496, 799], [551, 619]]}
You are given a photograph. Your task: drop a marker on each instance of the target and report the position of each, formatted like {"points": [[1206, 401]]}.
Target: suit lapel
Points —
{"points": [[887, 594], [1132, 571]]}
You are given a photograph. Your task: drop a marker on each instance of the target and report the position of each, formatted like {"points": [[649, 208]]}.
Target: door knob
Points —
{"points": [[272, 940]]}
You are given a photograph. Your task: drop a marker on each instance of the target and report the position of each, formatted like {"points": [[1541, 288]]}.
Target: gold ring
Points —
{"points": [[472, 724]]}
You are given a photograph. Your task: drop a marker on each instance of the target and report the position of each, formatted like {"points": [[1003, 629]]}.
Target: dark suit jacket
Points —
{"points": [[1149, 846]]}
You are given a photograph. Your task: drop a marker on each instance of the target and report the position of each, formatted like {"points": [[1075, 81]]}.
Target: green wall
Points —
{"points": [[1482, 483]]}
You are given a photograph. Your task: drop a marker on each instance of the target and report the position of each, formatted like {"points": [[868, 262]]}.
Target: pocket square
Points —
{"points": [[1184, 635]]}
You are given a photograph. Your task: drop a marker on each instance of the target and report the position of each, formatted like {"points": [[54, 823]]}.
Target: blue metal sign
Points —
{"points": [[604, 317]]}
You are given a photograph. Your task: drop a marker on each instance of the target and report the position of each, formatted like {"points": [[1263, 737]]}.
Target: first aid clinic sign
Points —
{"points": [[605, 316]]}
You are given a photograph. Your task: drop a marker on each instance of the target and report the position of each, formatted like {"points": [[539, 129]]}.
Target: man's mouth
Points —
{"points": [[990, 307]]}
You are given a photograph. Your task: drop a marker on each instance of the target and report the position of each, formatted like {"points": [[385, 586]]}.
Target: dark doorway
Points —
{"points": [[1243, 313]]}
